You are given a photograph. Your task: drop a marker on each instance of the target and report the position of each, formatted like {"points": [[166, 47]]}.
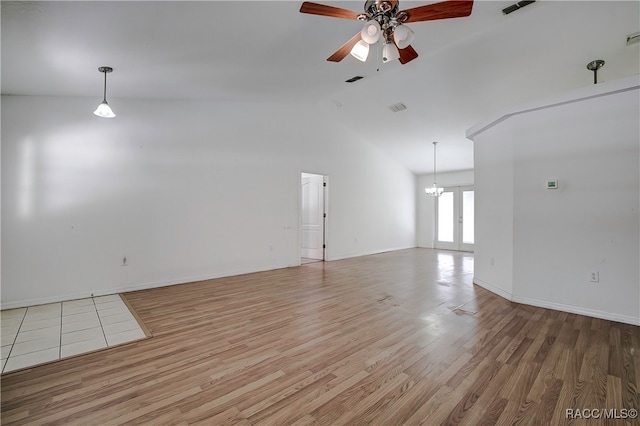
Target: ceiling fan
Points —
{"points": [[383, 20]]}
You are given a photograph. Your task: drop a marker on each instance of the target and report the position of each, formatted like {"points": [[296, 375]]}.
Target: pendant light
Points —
{"points": [[104, 110], [434, 191]]}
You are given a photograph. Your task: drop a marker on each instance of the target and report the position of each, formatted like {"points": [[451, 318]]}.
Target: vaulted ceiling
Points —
{"points": [[266, 51]]}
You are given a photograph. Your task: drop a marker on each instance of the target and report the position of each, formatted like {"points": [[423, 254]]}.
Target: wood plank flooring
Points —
{"points": [[396, 338]]}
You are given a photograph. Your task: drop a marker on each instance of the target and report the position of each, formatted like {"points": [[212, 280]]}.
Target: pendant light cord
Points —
{"points": [[435, 175], [105, 87]]}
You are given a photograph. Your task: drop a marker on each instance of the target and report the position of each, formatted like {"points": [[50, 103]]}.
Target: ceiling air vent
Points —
{"points": [[633, 39], [352, 79], [397, 107], [516, 6]]}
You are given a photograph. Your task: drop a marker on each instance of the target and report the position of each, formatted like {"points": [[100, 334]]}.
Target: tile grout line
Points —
{"points": [[14, 339], [100, 321]]}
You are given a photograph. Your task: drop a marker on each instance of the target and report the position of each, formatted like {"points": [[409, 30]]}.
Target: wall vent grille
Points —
{"points": [[352, 79], [397, 107], [516, 6]]}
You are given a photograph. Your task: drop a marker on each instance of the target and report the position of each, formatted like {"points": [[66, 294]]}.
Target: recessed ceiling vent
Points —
{"points": [[633, 39], [353, 79], [516, 6], [397, 107]]}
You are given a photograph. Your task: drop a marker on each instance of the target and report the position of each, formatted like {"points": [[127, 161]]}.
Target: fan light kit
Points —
{"points": [[384, 21], [104, 110]]}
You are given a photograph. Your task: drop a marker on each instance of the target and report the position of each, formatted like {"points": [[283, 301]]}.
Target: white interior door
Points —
{"points": [[455, 219], [312, 217]]}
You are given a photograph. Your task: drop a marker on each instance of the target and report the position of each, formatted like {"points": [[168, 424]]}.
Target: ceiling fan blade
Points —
{"points": [[321, 9], [345, 49], [407, 54], [442, 10]]}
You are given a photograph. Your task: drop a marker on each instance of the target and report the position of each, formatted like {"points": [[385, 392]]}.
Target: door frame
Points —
{"points": [[462, 246]]}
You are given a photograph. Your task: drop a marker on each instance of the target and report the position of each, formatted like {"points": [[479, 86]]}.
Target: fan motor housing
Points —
{"points": [[374, 7]]}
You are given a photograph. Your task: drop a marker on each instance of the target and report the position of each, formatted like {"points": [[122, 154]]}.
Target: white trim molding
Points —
{"points": [[594, 313]]}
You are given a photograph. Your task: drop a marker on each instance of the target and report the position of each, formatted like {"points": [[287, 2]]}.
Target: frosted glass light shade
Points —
{"points": [[104, 110], [403, 36], [370, 32], [390, 52], [360, 51]]}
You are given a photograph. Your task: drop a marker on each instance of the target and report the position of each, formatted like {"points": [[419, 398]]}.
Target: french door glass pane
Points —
{"points": [[445, 217], [467, 217]]}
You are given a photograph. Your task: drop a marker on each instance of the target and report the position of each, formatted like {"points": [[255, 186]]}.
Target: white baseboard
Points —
{"points": [[53, 299], [493, 289], [135, 287], [594, 313], [611, 316], [144, 286], [368, 253]]}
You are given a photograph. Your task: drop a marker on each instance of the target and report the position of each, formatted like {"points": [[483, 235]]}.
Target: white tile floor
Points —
{"points": [[44, 333]]}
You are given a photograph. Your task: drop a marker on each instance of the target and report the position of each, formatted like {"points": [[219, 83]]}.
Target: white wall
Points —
{"points": [[426, 204], [494, 188], [184, 190], [589, 140]]}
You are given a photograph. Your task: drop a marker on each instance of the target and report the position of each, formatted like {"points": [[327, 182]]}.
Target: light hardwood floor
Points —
{"points": [[395, 338]]}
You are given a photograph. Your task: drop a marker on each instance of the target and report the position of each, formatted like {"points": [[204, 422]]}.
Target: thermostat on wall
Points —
{"points": [[552, 184]]}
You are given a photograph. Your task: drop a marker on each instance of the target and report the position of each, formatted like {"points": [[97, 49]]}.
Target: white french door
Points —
{"points": [[455, 219]]}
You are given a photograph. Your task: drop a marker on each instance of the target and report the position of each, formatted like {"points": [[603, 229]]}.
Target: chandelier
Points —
{"points": [[434, 191]]}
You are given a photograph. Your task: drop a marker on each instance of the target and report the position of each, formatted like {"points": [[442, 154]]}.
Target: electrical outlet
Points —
{"points": [[594, 277]]}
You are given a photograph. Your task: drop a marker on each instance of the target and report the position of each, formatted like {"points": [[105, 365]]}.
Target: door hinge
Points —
{"points": [[324, 183], [324, 246], [324, 215]]}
